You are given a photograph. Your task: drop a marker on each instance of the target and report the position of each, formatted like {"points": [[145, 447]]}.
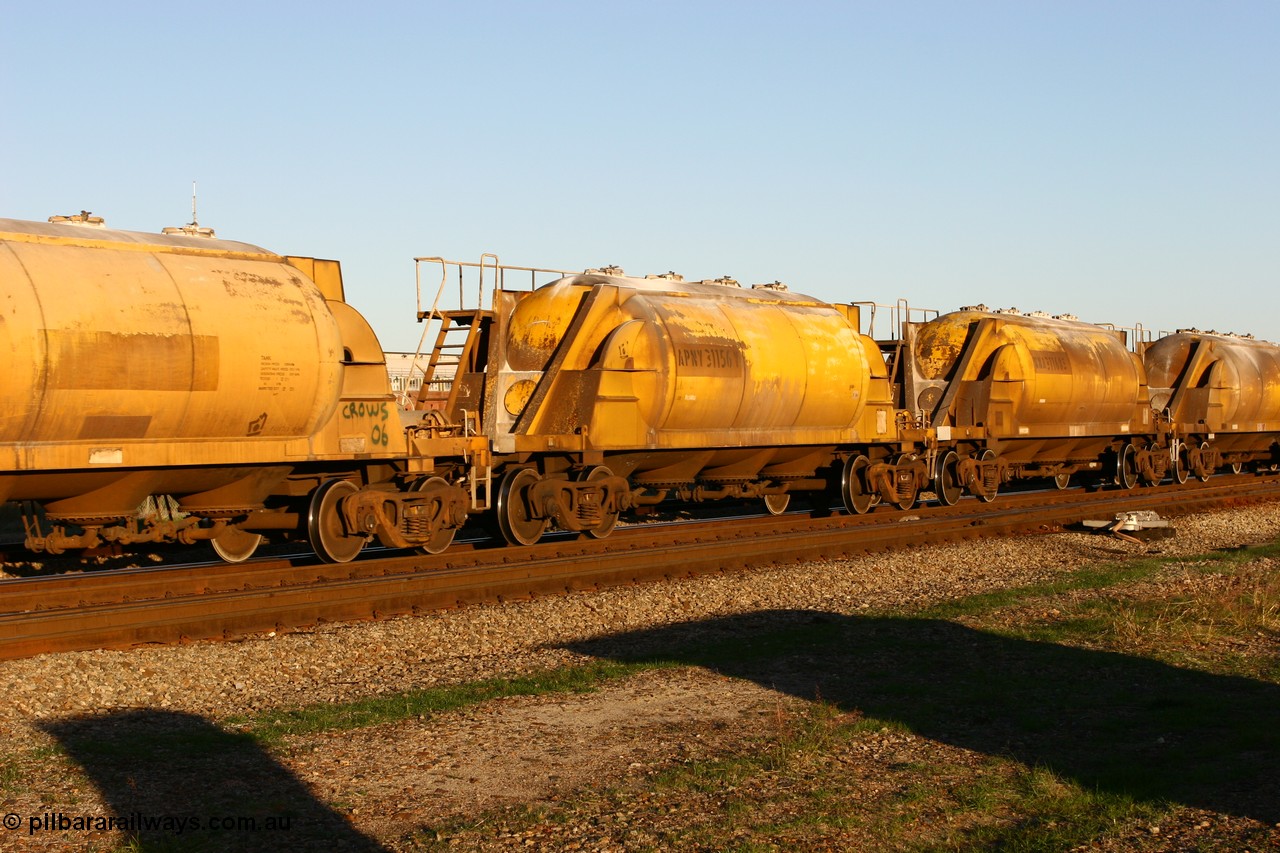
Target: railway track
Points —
{"points": [[129, 607]]}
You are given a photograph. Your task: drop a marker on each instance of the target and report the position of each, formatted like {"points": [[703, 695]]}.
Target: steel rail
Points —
{"points": [[134, 607]]}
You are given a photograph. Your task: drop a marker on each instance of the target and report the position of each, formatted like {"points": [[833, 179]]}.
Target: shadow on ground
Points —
{"points": [[181, 783], [1107, 721]]}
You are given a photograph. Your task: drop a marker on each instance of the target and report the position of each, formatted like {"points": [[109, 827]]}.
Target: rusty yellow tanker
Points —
{"points": [[1222, 393], [240, 386], [626, 390], [215, 372], [1019, 395]]}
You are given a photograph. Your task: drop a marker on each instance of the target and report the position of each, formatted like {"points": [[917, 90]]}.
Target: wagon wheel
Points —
{"points": [[329, 538], [777, 504], [1061, 481], [1202, 469], [1147, 474], [609, 520], [853, 485], [443, 537], [234, 545], [987, 495], [908, 499], [946, 483], [1178, 466], [1127, 467], [515, 518]]}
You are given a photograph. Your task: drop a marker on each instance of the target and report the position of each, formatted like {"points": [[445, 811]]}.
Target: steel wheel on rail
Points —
{"points": [[1127, 467], [329, 538], [854, 489], [908, 499], [609, 520], [1237, 467], [515, 516], [234, 545], [1061, 481], [1178, 468], [946, 483], [988, 495], [1202, 470], [442, 538], [777, 504]]}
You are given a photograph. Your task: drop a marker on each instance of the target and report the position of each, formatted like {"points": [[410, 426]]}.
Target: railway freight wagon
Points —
{"points": [[601, 392], [235, 380], [240, 384], [1221, 397], [1012, 395]]}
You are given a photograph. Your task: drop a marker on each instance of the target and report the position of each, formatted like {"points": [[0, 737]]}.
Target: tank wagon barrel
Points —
{"points": [[232, 379]]}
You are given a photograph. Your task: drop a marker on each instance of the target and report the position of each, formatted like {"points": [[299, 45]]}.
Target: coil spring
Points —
{"points": [[906, 486], [589, 508]]}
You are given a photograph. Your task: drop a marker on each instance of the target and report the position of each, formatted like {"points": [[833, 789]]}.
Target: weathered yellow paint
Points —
{"points": [[1216, 383], [1022, 376], [133, 351], [327, 275], [635, 363]]}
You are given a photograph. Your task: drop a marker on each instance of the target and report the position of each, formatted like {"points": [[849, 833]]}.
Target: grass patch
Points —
{"points": [[1090, 698], [1103, 576], [11, 776], [1036, 810], [1084, 711], [272, 726], [792, 793]]}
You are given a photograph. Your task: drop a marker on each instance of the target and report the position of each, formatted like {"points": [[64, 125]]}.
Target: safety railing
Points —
{"points": [[883, 322], [472, 277], [449, 323]]}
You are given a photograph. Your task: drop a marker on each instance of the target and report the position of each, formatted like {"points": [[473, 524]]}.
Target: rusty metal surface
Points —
{"points": [[135, 355], [174, 364], [1220, 383], [637, 363], [1028, 375], [284, 598], [116, 340]]}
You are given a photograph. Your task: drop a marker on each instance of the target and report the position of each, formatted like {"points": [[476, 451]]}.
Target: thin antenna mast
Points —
{"points": [[191, 229]]}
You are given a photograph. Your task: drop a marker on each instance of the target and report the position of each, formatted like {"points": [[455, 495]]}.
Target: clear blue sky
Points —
{"points": [[1116, 160]]}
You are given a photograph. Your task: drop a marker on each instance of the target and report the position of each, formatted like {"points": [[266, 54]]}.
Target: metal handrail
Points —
{"points": [[899, 312], [488, 262]]}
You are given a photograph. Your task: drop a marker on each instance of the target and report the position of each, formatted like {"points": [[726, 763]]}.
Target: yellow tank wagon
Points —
{"points": [[1013, 395], [601, 391], [1221, 394], [233, 379]]}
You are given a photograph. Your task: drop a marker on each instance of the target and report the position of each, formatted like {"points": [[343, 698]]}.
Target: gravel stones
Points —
{"points": [[345, 661]]}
